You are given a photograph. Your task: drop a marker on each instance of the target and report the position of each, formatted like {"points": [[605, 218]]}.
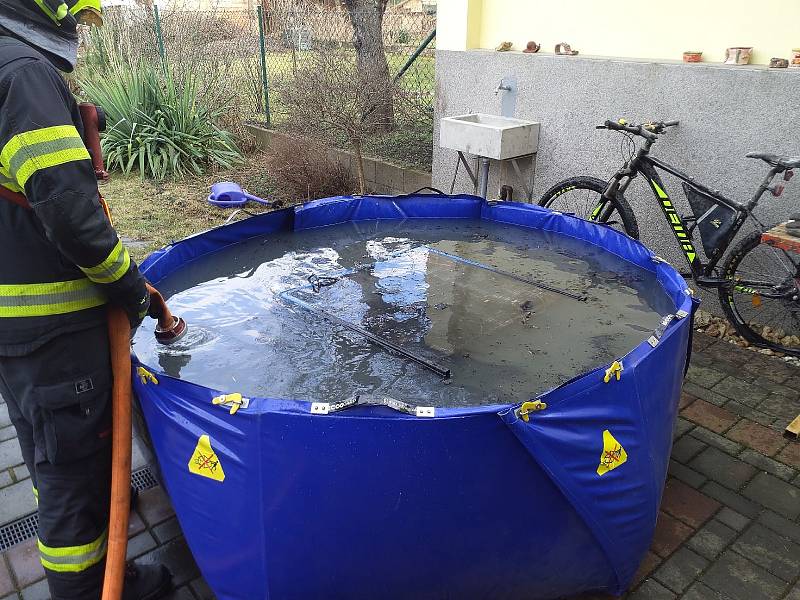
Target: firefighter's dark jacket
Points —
{"points": [[62, 261]]}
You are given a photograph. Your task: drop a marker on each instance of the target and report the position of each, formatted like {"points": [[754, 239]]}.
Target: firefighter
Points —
{"points": [[60, 262]]}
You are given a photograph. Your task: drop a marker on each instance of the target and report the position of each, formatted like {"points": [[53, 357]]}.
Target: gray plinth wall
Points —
{"points": [[724, 111]]}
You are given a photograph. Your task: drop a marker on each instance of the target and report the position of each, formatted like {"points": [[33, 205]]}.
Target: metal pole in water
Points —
{"points": [[484, 180], [262, 46]]}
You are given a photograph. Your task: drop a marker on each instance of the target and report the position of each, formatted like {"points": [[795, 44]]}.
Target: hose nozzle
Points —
{"points": [[170, 333]]}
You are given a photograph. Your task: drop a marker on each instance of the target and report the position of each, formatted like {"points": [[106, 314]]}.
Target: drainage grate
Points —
{"points": [[25, 528], [143, 479], [18, 531]]}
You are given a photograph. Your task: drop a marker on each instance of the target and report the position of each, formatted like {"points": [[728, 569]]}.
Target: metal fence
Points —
{"points": [[241, 55]]}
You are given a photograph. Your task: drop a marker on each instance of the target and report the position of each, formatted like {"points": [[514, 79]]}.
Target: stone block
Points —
{"points": [[6, 583], [704, 376], [767, 464], [710, 416], [790, 454], [25, 563], [704, 394], [154, 506], [669, 535], [723, 468], [776, 554], [780, 525], [700, 591], [201, 589], [5, 420], [682, 426], [652, 590], [687, 448], [7, 433], [732, 519], [139, 544], [712, 539], [37, 591], [763, 439], [177, 558], [741, 579], [685, 474], [687, 504], [370, 170], [648, 564], [10, 454], [168, 530], [16, 501], [5, 478], [775, 494], [716, 440], [680, 570], [731, 499], [414, 180], [743, 391]]}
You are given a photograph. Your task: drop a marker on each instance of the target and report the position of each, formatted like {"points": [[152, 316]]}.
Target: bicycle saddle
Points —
{"points": [[776, 160]]}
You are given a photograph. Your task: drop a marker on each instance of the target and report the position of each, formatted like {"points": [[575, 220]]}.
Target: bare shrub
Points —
{"points": [[303, 170]]}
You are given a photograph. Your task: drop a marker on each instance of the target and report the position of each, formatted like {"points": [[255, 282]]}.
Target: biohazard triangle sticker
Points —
{"points": [[204, 461], [613, 454]]}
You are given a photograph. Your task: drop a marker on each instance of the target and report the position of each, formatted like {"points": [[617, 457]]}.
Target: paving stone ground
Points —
{"points": [[728, 529]]}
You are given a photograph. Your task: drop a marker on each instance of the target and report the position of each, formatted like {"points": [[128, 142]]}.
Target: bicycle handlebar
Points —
{"points": [[648, 131]]}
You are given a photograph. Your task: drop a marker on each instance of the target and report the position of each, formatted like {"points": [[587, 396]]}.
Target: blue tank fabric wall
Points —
{"points": [[472, 503]]}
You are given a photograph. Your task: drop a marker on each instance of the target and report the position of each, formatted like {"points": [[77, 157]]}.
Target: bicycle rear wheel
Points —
{"points": [[762, 299], [581, 195]]}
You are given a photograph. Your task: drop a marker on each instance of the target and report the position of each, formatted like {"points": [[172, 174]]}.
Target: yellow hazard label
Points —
{"points": [[204, 461], [613, 454]]}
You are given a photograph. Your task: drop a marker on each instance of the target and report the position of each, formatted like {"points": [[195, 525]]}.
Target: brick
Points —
{"points": [[24, 561], [6, 584], [7, 433], [775, 494], [37, 591], [767, 464], [748, 412], [648, 564], [700, 591], [704, 376], [755, 436], [704, 394], [712, 539], [686, 475], [678, 572], [685, 400], [167, 530], [723, 468], [682, 426], [731, 499], [776, 554], [652, 590], [780, 525], [176, 556], [779, 406], [741, 579], [686, 448], [154, 506], [716, 440], [139, 544], [687, 504], [16, 501], [732, 519], [740, 390], [790, 455], [10, 454], [670, 534], [708, 415], [201, 589]]}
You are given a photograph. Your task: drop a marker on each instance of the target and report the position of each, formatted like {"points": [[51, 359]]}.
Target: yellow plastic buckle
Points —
{"points": [[233, 401], [528, 407], [615, 370], [146, 376]]}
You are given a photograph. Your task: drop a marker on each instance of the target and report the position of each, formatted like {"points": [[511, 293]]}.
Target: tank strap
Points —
{"points": [[324, 408], [662, 327]]}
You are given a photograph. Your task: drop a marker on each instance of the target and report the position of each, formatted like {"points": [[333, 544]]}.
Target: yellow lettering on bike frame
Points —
{"points": [[675, 221]]}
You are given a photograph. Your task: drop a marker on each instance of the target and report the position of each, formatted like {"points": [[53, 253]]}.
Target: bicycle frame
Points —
{"points": [[643, 163]]}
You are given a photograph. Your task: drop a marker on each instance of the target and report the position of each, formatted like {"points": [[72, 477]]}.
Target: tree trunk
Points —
{"points": [[367, 19], [362, 181]]}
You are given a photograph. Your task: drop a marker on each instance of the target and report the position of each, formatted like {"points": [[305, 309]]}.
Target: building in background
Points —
{"points": [[629, 65]]}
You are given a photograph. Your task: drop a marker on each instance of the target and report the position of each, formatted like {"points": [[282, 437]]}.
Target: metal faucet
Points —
{"points": [[503, 86]]}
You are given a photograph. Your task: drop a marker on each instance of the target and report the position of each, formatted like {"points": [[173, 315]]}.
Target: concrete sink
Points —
{"points": [[489, 136]]}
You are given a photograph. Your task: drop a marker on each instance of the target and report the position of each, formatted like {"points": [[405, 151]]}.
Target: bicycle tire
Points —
{"points": [[591, 184], [751, 330]]}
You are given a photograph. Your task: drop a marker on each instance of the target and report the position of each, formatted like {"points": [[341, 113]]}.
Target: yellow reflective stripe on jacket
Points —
{"points": [[42, 299], [7, 182], [72, 559], [31, 151], [112, 268]]}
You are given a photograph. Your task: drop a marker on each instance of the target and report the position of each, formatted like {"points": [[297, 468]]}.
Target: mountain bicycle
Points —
{"points": [[758, 285]]}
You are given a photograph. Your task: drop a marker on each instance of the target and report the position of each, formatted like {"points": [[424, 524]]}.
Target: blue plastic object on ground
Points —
{"points": [[229, 195], [287, 500]]}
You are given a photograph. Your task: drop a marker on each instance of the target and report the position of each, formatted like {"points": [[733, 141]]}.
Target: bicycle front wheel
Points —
{"points": [[581, 196], [762, 298]]}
